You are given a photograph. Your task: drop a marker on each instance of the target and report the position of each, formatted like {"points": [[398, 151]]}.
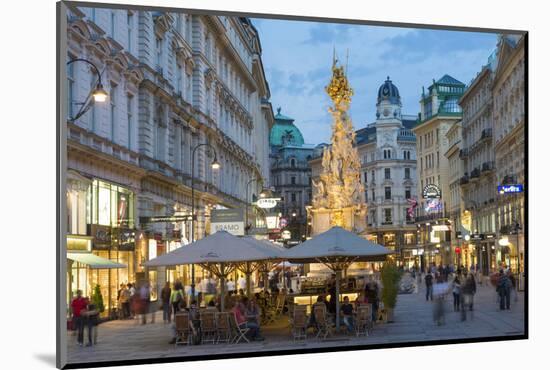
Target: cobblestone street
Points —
{"points": [[122, 340]]}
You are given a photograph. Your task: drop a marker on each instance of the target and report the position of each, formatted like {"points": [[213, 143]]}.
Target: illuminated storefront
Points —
{"points": [[100, 220]]}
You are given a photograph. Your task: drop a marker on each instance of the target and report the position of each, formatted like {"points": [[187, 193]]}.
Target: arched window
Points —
{"points": [[292, 162]]}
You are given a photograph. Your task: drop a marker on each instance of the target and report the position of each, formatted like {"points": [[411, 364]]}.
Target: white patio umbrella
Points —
{"points": [[219, 253], [337, 248]]}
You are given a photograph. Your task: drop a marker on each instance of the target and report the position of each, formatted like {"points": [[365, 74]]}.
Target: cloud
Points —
{"points": [[322, 33]]}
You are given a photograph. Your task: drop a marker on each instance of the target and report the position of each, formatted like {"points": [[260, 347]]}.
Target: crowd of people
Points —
{"points": [[442, 280]]}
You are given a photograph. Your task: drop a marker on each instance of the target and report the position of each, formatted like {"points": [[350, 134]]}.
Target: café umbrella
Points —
{"points": [[337, 248], [220, 253]]}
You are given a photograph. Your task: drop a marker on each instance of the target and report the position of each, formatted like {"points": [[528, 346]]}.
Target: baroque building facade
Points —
{"points": [[439, 111], [291, 174], [174, 81]]}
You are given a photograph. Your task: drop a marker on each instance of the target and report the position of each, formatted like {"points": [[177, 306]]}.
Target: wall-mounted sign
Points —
{"points": [[230, 220], [433, 205], [506, 189], [126, 239], [441, 228], [271, 222], [102, 237], [431, 191], [286, 235], [477, 236], [180, 218], [267, 202]]}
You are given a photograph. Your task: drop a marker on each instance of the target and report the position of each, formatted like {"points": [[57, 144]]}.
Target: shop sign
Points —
{"points": [[458, 235], [476, 236], [102, 236], [271, 222], [267, 203], [433, 205], [179, 218], [490, 236], [510, 189], [126, 239], [431, 191], [441, 228], [286, 235], [230, 220]]}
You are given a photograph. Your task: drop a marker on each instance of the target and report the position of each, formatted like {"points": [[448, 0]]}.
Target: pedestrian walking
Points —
{"points": [[428, 279], [504, 286], [165, 295], [440, 291], [124, 301], [145, 297], [467, 292], [177, 298], [513, 289], [92, 320], [78, 306], [456, 294]]}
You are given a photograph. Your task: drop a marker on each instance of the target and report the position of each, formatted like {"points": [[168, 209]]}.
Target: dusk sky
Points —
{"points": [[297, 58]]}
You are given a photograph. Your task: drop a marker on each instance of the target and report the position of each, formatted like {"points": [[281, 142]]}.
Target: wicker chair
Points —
{"points": [[322, 320], [208, 326], [223, 327], [299, 323], [363, 322], [183, 330]]}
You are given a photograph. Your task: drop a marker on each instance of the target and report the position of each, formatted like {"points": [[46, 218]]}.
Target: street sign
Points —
{"points": [[267, 203], [510, 189], [153, 219]]}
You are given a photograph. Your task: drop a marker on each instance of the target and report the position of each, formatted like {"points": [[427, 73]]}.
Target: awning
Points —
{"points": [[95, 262]]}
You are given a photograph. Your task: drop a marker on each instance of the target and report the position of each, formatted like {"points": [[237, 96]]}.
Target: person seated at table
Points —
{"points": [[240, 315], [321, 300], [194, 323], [347, 314], [253, 312]]}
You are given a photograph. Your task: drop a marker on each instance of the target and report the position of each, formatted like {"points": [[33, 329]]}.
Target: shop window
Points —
{"points": [[77, 217], [111, 205]]}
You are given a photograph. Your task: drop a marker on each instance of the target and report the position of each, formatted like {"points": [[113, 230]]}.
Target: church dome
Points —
{"points": [[388, 91], [284, 132]]}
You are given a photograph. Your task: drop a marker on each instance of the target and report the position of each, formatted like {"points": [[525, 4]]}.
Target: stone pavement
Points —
{"points": [[123, 340]]}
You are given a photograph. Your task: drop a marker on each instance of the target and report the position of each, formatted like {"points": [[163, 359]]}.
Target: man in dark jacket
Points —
{"points": [[429, 279], [504, 285]]}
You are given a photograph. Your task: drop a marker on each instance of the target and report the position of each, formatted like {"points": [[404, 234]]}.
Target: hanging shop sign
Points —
{"points": [[230, 220], [283, 222], [179, 218], [102, 237], [126, 239], [510, 189], [431, 191], [267, 203]]}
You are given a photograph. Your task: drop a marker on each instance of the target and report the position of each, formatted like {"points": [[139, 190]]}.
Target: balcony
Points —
{"points": [[509, 179], [488, 166], [463, 153], [486, 133], [464, 179], [475, 173]]}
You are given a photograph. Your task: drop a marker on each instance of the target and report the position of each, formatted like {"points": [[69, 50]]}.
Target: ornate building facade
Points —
{"points": [[478, 182], [508, 94], [291, 174], [174, 81], [439, 110]]}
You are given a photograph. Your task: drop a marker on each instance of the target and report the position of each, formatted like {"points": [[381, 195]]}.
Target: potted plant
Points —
{"points": [[390, 276], [97, 299]]}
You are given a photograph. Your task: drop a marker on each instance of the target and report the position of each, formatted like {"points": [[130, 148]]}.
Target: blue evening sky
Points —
{"points": [[297, 58]]}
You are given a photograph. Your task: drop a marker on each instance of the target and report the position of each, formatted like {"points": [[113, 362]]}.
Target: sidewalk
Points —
{"points": [[120, 340]]}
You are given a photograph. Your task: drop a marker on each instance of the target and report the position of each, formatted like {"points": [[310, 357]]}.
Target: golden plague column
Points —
{"points": [[338, 198]]}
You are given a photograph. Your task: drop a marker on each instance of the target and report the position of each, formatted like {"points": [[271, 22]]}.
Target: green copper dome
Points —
{"points": [[284, 132]]}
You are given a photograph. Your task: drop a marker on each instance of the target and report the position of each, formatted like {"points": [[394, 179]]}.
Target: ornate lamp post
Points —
{"points": [[215, 166], [98, 93]]}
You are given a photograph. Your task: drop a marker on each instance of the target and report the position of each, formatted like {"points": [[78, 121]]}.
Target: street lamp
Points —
{"points": [[262, 195], [98, 93], [215, 166]]}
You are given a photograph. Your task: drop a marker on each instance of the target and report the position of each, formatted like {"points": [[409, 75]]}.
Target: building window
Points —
{"points": [[373, 198], [293, 180], [188, 96], [365, 176], [407, 173], [77, 207], [451, 106], [112, 115], [372, 175], [70, 89], [428, 109], [113, 24], [180, 78], [387, 153], [292, 162], [293, 197], [387, 216], [159, 51], [130, 111], [387, 192], [387, 173], [407, 193], [130, 26]]}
